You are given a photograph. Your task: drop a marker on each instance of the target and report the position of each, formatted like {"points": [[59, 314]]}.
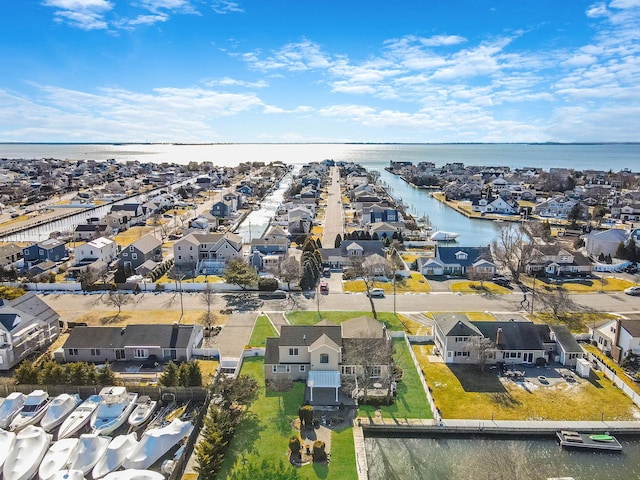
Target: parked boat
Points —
{"points": [[117, 452], [442, 236], [156, 442], [34, 408], [60, 407], [115, 407], [28, 451], [68, 475], [57, 457], [134, 475], [79, 417], [177, 413], [91, 448], [144, 408], [7, 440], [571, 439], [10, 408]]}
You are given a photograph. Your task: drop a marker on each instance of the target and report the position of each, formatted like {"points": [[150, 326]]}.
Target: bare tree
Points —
{"points": [[481, 348], [513, 249], [368, 270], [117, 300], [207, 296], [372, 360], [557, 301], [290, 270]]}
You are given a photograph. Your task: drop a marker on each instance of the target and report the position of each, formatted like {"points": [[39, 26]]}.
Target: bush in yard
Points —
{"points": [[295, 444], [319, 453], [267, 284], [305, 412]]}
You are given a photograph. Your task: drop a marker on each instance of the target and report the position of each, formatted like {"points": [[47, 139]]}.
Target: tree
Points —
{"points": [[557, 301], [240, 273], [290, 271], [305, 414], [189, 374], [117, 300], [483, 349], [207, 296], [238, 391], [368, 269], [265, 470], [513, 249], [170, 375], [26, 373], [338, 241], [367, 353]]}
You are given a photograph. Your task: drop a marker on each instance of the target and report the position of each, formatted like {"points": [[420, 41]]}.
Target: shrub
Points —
{"points": [[267, 284], [295, 444], [319, 453], [305, 412]]}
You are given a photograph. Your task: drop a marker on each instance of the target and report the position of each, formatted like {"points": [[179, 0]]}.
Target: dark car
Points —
{"points": [[502, 281]]}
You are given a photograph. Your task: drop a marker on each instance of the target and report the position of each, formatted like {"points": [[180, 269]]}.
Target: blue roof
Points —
{"points": [[448, 255]]}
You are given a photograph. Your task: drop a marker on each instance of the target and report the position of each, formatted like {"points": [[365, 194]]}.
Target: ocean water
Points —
{"points": [[597, 156]]}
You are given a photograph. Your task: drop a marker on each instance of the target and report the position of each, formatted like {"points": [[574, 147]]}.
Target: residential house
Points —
{"points": [[118, 221], [147, 248], [559, 206], [136, 211], [207, 253], [101, 249], [299, 221], [10, 254], [27, 325], [496, 205], [221, 209], [234, 199], [379, 213], [459, 340], [269, 250], [554, 260], [325, 356], [456, 260], [132, 343], [89, 232], [50, 249], [384, 229], [617, 337]]}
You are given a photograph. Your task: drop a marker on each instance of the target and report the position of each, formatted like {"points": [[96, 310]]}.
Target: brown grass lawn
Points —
{"points": [[134, 233], [577, 322], [606, 284], [461, 391], [416, 283], [474, 287]]}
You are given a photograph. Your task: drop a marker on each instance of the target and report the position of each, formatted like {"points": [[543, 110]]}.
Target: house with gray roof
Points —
{"points": [[556, 260], [605, 242], [146, 248], [10, 254], [27, 325], [617, 337], [458, 340], [458, 261], [131, 343]]}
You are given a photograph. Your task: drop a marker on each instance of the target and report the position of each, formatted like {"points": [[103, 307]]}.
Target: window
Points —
{"points": [[348, 370], [131, 248], [302, 368], [324, 358], [140, 353], [462, 354], [462, 339], [95, 352], [293, 352], [134, 256], [73, 351], [120, 355], [179, 248], [3, 338], [375, 370], [281, 368]]}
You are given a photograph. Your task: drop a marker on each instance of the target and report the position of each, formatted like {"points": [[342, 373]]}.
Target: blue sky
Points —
{"points": [[319, 71]]}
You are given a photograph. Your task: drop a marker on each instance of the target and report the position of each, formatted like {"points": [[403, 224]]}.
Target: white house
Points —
{"points": [[101, 249], [207, 252]]}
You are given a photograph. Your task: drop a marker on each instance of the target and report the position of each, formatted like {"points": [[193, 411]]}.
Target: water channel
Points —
{"points": [[490, 458]]}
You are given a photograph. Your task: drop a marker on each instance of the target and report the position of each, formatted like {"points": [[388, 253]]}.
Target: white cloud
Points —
{"points": [[300, 56], [232, 82], [442, 40], [226, 6], [84, 14]]}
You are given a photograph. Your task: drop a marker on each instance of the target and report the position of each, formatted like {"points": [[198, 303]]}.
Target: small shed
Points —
{"points": [[583, 367]]}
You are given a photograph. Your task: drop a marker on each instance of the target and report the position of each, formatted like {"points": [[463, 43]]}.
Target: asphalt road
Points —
{"points": [[333, 217]]}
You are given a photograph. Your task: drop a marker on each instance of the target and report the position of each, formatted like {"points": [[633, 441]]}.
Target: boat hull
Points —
{"points": [[28, 451], [79, 417]]}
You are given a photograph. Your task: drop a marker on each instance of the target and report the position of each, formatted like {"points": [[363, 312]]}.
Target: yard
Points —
{"points": [[265, 430], [416, 283], [411, 401], [131, 235], [582, 285], [464, 392], [392, 322], [262, 329], [487, 287]]}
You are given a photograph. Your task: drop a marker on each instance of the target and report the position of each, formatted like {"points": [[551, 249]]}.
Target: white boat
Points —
{"points": [[7, 440], [91, 449], [442, 236], [59, 408], [117, 452], [79, 417], [132, 474], [28, 451], [57, 457], [156, 442], [68, 475], [115, 407], [142, 412], [10, 408], [34, 408]]}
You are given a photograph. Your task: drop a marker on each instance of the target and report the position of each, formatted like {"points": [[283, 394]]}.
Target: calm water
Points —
{"points": [[444, 458]]}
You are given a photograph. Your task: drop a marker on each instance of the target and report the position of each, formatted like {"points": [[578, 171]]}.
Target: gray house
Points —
{"points": [[130, 343], [27, 325], [140, 251]]}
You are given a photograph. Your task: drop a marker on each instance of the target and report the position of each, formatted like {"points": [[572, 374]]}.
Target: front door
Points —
{"points": [[120, 354], [528, 357]]}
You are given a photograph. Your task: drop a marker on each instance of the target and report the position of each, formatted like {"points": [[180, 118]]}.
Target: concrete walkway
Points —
{"points": [[235, 334]]}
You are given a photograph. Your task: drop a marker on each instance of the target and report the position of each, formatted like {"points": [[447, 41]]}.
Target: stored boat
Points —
{"points": [[115, 407], [57, 457], [156, 442], [7, 440], [34, 408], [442, 236], [59, 408], [571, 439], [79, 417], [91, 449], [134, 475], [28, 451], [117, 452], [177, 413], [10, 408], [142, 412]]}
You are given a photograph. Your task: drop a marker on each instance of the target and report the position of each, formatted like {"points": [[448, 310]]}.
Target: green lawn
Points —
{"points": [[411, 401], [266, 427], [262, 329], [300, 317]]}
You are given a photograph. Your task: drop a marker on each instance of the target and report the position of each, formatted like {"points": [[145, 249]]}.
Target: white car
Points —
{"points": [[635, 291], [376, 293]]}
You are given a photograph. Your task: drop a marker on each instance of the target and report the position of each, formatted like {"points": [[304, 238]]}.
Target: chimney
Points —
{"points": [[615, 348], [499, 336]]}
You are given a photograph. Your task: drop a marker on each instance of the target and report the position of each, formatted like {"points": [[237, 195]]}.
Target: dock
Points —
{"points": [[571, 439]]}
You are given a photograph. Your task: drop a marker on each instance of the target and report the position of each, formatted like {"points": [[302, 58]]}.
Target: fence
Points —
{"points": [[617, 381], [432, 404]]}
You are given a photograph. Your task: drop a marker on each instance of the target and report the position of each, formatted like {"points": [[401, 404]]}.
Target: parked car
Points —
{"points": [[502, 281], [326, 271], [324, 287], [635, 291], [376, 293]]}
